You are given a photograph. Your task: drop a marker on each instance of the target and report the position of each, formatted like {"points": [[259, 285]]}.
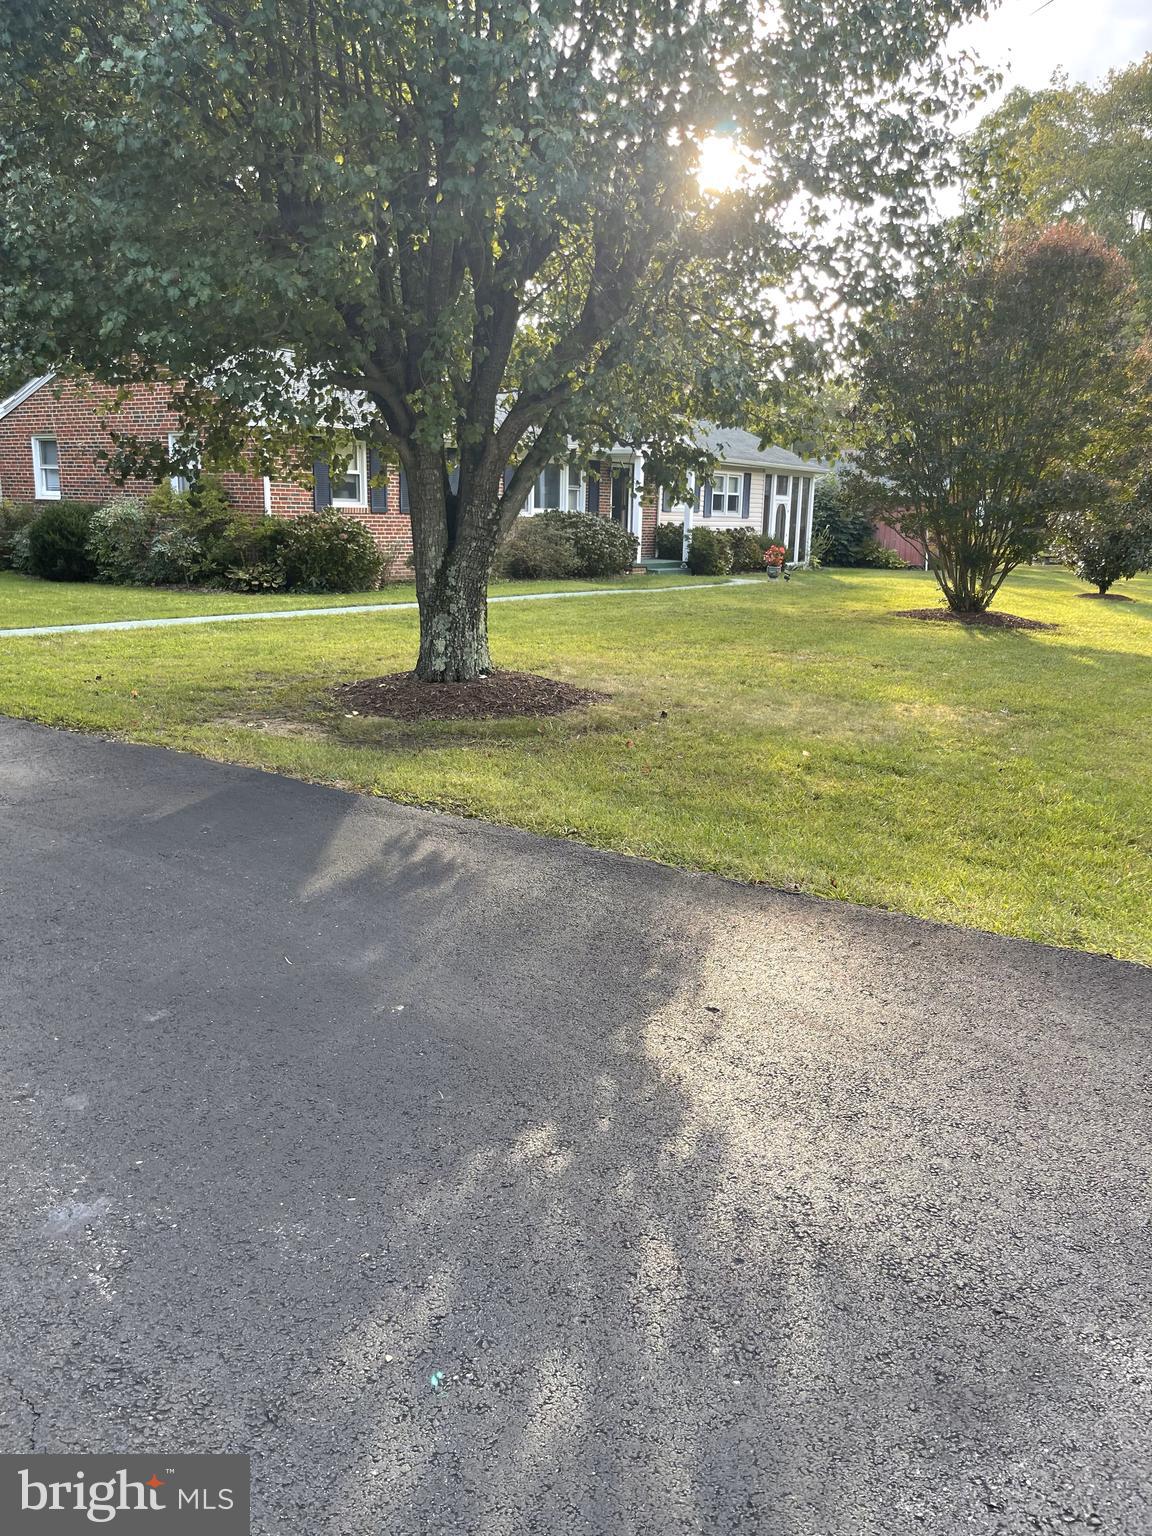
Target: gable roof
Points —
{"points": [[19, 396], [731, 445]]}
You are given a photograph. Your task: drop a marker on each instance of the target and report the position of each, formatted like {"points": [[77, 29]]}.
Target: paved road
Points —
{"points": [[481, 1184]]}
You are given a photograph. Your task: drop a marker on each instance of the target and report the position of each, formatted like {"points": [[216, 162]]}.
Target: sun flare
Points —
{"points": [[721, 165]]}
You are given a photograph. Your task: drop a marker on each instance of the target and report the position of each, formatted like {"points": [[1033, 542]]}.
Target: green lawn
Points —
{"points": [[796, 734], [25, 602]]}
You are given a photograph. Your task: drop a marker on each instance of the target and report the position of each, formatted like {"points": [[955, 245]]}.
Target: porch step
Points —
{"points": [[655, 566]]}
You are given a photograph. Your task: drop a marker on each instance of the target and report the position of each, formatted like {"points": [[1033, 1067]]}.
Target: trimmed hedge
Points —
{"points": [[324, 552], [710, 553], [602, 547], [536, 551], [58, 542]]}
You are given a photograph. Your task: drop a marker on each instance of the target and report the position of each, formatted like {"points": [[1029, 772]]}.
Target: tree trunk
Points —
{"points": [[454, 622], [453, 539]]}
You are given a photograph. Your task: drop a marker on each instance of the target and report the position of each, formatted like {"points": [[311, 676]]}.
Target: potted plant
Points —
{"points": [[774, 558]]}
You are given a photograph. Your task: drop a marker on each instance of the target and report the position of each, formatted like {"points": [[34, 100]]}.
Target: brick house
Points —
{"points": [[52, 433]]}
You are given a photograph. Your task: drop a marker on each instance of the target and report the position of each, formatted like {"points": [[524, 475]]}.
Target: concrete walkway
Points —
{"points": [[321, 613], [483, 1184]]}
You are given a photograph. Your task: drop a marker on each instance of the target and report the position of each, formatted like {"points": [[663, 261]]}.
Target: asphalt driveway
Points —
{"points": [[476, 1183]]}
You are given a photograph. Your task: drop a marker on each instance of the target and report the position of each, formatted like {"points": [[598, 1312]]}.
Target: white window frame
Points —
{"points": [[783, 486], [357, 465], [39, 468], [570, 476], [179, 483], [725, 501]]}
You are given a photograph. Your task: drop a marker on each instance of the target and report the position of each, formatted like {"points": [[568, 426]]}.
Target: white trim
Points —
{"points": [[359, 467], [179, 483], [267, 496], [19, 396], [41, 493]]}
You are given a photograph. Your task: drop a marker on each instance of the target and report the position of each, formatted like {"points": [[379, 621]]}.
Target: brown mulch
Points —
{"points": [[978, 620], [1109, 597], [500, 695]]}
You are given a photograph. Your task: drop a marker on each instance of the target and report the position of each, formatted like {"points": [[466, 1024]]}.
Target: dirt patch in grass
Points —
{"points": [[1111, 597], [975, 620], [399, 696], [272, 725]]}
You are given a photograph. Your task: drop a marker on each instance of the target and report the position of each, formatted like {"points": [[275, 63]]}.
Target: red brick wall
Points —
{"points": [[81, 419]]}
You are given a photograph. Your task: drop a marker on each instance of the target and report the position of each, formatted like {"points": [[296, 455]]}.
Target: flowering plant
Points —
{"points": [[775, 555]]}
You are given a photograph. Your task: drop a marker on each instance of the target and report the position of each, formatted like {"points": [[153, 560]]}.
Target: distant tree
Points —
{"points": [[1075, 151], [985, 386], [1104, 533], [847, 523], [508, 226]]}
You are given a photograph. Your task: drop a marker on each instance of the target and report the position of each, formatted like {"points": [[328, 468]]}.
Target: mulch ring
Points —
{"points": [[1108, 597], [979, 620], [500, 695]]}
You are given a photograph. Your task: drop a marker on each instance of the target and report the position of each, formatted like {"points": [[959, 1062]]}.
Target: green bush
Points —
{"points": [[235, 542], [669, 541], [849, 527], [58, 542], [709, 554], [745, 548], [536, 551], [873, 553], [175, 558], [119, 536], [602, 547], [15, 520], [21, 555], [324, 552]]}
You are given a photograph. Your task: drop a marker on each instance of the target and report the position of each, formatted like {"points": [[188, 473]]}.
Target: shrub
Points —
{"points": [[745, 548], [602, 547], [536, 550], [175, 558], [324, 552], [119, 536], [873, 553], [21, 550], [234, 542], [15, 519], [1106, 537], [58, 542], [709, 554], [669, 541], [848, 526]]}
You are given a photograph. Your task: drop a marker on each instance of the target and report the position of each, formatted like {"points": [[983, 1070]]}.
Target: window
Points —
{"points": [[181, 483], [559, 487], [782, 485], [46, 463], [349, 485], [575, 492], [725, 496]]}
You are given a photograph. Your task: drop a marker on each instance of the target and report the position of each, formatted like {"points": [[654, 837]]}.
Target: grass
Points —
{"points": [[25, 602], [795, 733]]}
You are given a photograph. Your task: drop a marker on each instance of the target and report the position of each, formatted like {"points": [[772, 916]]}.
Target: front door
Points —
{"points": [[622, 494]]}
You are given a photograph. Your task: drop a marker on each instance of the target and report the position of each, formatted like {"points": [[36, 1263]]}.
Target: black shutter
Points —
{"points": [[593, 501], [746, 504], [377, 494], [405, 506], [706, 499], [322, 486]]}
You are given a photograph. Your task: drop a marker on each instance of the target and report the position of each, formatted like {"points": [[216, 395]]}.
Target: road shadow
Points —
{"points": [[474, 1183]]}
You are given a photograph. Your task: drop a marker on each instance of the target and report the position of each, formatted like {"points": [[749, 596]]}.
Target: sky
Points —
{"points": [[1085, 38]]}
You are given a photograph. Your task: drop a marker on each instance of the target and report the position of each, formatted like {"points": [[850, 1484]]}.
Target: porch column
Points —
{"points": [[636, 512], [689, 509]]}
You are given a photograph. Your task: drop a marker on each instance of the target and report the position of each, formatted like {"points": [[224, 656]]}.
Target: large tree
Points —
{"points": [[980, 392], [485, 219], [1071, 150]]}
